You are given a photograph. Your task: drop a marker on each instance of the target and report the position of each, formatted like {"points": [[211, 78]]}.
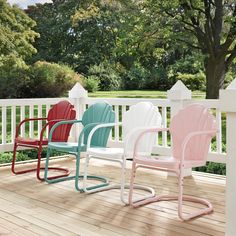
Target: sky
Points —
{"points": [[24, 3]]}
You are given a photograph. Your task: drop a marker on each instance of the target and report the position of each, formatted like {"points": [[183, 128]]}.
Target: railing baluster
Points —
{"points": [[22, 117], [31, 124], [164, 123], [40, 114], [13, 123], [117, 133], [47, 110], [123, 110], [4, 124], [219, 133]]}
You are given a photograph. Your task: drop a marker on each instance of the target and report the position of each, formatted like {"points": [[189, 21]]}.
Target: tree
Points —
{"points": [[16, 38], [16, 34], [208, 26]]}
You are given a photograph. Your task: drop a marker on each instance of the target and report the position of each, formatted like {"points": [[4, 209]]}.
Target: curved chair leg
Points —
{"points": [[201, 201], [122, 186], [13, 165], [180, 199]]}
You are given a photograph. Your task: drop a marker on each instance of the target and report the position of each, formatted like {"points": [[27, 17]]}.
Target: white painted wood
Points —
{"points": [[22, 117], [231, 175], [40, 114], [227, 104], [117, 133], [13, 123], [4, 127], [164, 124], [48, 106], [219, 134], [31, 123]]}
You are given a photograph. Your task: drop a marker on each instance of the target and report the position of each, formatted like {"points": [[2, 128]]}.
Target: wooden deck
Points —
{"points": [[28, 207]]}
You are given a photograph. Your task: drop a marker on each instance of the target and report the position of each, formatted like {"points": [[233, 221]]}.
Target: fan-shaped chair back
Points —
{"points": [[98, 113], [61, 110], [142, 114], [193, 118]]}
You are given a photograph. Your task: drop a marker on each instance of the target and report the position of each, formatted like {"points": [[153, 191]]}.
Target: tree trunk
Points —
{"points": [[215, 75]]}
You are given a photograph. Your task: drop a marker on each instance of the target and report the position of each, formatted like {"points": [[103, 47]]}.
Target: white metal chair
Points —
{"points": [[192, 130], [140, 116]]}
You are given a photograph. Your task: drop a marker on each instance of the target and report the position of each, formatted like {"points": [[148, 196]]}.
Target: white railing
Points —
{"points": [[14, 110]]}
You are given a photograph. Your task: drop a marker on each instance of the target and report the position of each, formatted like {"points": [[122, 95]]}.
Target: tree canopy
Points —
{"points": [[149, 43]]}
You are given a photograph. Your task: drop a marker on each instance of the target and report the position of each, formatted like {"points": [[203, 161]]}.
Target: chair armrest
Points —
{"points": [[143, 131], [211, 133], [24, 121], [59, 122], [99, 126]]}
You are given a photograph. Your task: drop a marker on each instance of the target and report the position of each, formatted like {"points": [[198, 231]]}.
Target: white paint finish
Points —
{"points": [[219, 134], [117, 133], [13, 123], [22, 117], [31, 123], [231, 175], [179, 92], [4, 127], [40, 114], [78, 91]]}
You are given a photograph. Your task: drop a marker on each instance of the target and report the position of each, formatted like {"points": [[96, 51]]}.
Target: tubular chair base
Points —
{"points": [[92, 177], [204, 211], [99, 188], [66, 172]]}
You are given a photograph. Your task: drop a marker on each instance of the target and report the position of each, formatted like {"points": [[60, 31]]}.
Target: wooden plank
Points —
{"points": [[47, 207]]}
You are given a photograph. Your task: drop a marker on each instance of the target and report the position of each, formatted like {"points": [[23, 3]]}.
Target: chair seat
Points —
{"points": [[66, 146], [168, 162], [30, 141], [103, 152]]}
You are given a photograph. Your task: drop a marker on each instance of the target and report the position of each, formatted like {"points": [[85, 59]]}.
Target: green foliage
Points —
{"points": [[6, 157], [136, 77], [91, 83], [49, 80], [211, 167], [25, 155], [106, 73], [13, 76], [193, 81], [16, 34]]}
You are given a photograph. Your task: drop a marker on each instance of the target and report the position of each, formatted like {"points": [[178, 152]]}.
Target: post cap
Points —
{"points": [[78, 91], [228, 97], [179, 92]]}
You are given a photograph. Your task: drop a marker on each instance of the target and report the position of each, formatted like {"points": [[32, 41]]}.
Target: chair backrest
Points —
{"points": [[192, 118], [142, 114], [61, 111], [98, 113]]}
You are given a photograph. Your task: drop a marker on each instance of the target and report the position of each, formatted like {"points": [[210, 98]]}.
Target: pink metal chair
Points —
{"points": [[192, 130], [59, 112]]}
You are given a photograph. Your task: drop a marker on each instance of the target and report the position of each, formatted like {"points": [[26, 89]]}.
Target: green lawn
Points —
{"points": [[140, 94]]}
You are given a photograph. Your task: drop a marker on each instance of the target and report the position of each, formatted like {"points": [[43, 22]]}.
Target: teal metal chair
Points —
{"points": [[98, 113]]}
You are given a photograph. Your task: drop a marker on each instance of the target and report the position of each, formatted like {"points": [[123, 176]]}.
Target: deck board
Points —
{"points": [[30, 207]]}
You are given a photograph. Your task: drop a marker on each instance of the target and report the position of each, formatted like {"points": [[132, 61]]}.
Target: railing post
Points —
{"points": [[78, 94], [227, 104], [178, 94]]}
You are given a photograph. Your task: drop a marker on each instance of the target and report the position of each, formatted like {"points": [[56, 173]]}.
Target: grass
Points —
{"points": [[140, 94]]}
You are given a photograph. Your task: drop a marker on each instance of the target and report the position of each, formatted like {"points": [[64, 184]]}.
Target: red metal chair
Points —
{"points": [[59, 112]]}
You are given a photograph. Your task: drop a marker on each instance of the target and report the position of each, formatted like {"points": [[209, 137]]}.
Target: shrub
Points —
{"points": [[91, 83], [107, 75], [157, 79], [49, 80], [193, 81], [136, 77], [13, 76]]}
